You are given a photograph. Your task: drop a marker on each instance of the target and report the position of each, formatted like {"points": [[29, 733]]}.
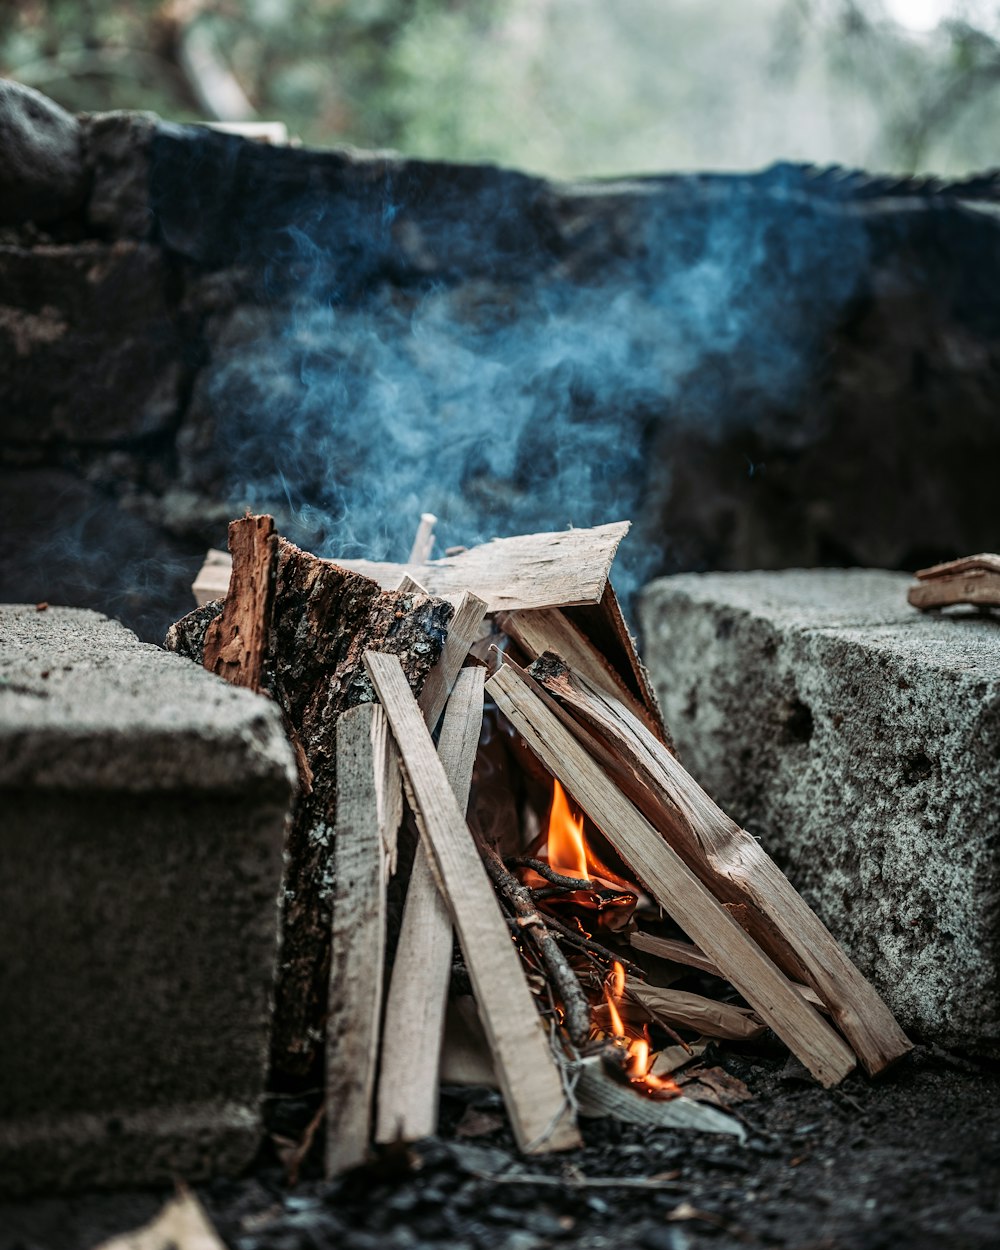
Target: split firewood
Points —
{"points": [[369, 793], [550, 629], [705, 1016], [730, 862], [687, 953], [463, 630], [236, 641], [568, 567], [671, 882], [423, 540], [418, 991], [971, 579], [316, 627], [540, 1114]]}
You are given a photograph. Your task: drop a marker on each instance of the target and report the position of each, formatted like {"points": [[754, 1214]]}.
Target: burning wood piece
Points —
{"points": [[971, 579], [730, 862], [532, 571], [540, 1113], [671, 882], [369, 802], [418, 991]]}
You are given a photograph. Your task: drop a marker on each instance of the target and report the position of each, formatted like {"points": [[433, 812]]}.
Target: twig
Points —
{"points": [[593, 948], [581, 1182], [545, 870], [575, 1005]]}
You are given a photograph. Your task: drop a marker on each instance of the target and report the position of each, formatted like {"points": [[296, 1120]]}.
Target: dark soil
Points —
{"points": [[911, 1161]]}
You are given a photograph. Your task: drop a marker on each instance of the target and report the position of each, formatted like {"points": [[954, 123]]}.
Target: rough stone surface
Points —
{"points": [[42, 174], [90, 350], [144, 811], [861, 742], [117, 153], [793, 366]]}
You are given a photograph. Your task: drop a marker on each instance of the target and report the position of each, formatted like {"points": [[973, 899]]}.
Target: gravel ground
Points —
{"points": [[911, 1161]]}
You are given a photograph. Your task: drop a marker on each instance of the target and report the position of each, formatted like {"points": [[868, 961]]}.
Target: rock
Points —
{"points": [[860, 741], [117, 146], [90, 348], [42, 176], [145, 805]]}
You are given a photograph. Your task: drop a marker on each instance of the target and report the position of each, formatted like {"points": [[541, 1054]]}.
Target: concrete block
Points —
{"points": [[860, 741], [143, 806]]}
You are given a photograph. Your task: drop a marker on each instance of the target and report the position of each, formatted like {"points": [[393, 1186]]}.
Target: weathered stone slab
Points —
{"points": [[860, 741], [144, 805]]}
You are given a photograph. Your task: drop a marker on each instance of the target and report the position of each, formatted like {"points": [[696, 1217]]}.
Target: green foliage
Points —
{"points": [[564, 87]]}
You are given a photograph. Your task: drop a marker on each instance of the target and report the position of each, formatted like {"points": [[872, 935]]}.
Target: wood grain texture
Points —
{"points": [[418, 990], [539, 1111], [236, 642], [976, 586], [735, 867], [463, 630], [687, 953], [357, 944], [531, 571], [672, 883], [550, 629]]}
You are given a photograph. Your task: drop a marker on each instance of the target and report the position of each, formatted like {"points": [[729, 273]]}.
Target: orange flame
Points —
{"points": [[567, 850], [637, 1048]]}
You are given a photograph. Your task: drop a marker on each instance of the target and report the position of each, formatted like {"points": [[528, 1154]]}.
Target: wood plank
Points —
{"points": [[357, 943], [734, 867], [672, 883], [705, 1016], [987, 561], [418, 989], [690, 956], [423, 539], [463, 630], [600, 1095], [976, 586], [540, 1113], [531, 571], [236, 641], [212, 580], [550, 629], [604, 624]]}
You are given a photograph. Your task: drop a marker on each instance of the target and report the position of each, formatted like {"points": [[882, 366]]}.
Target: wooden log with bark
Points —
{"points": [[314, 630]]}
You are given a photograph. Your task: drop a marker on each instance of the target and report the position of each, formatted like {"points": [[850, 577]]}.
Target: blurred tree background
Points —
{"points": [[561, 87]]}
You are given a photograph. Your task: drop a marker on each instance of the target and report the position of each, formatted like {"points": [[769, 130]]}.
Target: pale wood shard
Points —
{"points": [[732, 864], [687, 953], [418, 990], [973, 580], [669, 880], [601, 1095], [357, 945], [531, 571], [212, 580], [411, 585], [550, 629], [423, 540], [236, 641], [540, 1113], [463, 630], [182, 1224]]}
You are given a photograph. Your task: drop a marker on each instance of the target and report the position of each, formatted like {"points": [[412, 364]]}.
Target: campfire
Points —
{"points": [[476, 735]]}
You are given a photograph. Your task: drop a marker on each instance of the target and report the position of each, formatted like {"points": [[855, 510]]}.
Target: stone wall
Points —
{"points": [[791, 367]]}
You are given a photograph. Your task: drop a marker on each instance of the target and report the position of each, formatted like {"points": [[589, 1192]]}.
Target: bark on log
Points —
{"points": [[319, 623]]}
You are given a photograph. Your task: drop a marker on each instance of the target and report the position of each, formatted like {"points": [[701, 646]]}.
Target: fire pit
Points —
{"points": [[753, 367]]}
